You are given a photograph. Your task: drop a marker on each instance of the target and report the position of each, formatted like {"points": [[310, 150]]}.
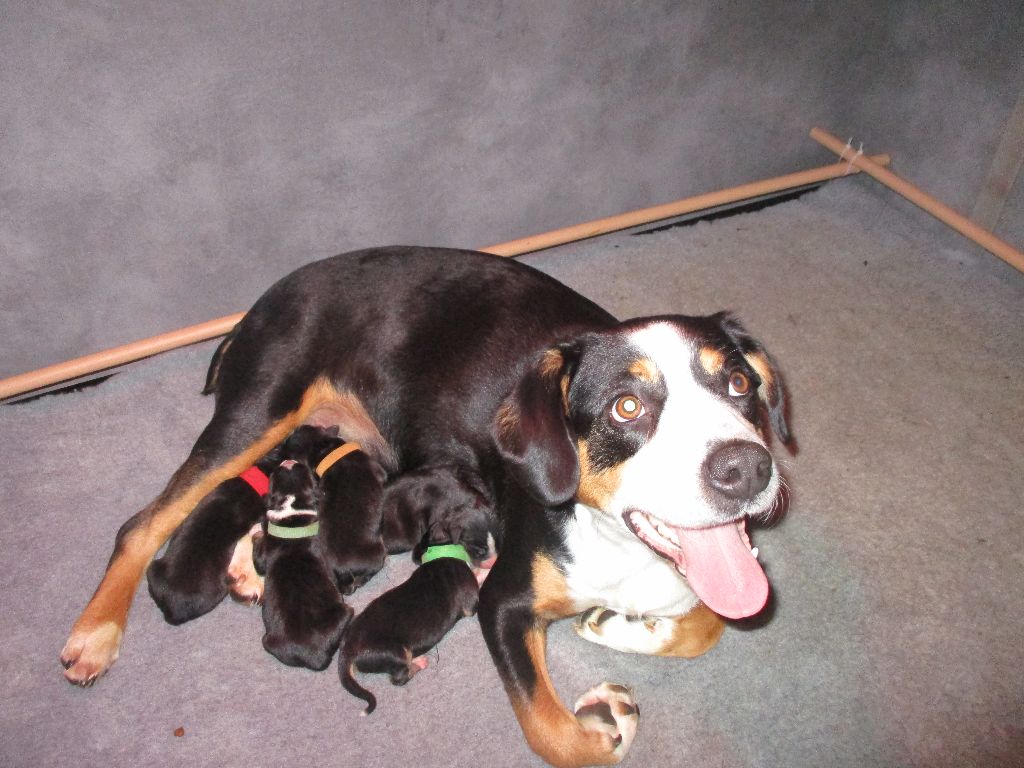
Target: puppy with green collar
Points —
{"points": [[395, 630]]}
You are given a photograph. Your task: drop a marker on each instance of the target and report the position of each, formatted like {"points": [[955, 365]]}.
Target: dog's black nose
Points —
{"points": [[739, 469]]}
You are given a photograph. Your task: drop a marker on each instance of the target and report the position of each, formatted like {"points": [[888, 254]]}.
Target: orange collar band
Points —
{"points": [[331, 458]]}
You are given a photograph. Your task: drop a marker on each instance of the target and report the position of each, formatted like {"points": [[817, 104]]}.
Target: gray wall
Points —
{"points": [[163, 162]]}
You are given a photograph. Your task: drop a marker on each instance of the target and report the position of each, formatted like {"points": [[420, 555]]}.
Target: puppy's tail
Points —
{"points": [[346, 667]]}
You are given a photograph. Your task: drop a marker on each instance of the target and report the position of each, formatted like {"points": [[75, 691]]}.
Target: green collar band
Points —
{"points": [[456, 551], [298, 532]]}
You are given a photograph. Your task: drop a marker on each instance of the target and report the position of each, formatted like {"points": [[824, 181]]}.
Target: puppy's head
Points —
{"points": [[474, 525], [294, 493], [310, 443], [661, 425]]}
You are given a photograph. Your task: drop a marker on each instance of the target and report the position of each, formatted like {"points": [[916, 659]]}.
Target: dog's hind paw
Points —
{"points": [[245, 584], [247, 588], [611, 709], [685, 636], [89, 653], [623, 633]]}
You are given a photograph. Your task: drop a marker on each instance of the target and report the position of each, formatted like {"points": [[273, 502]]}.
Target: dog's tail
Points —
{"points": [[346, 667], [213, 373]]}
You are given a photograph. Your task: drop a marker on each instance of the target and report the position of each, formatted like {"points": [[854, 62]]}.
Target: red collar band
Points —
{"points": [[256, 479]]}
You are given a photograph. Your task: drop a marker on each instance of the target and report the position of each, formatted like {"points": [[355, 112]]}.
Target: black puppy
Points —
{"points": [[352, 484], [395, 630], [303, 614], [192, 577], [438, 504]]}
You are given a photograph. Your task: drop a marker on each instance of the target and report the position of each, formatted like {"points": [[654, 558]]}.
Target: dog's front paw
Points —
{"points": [[89, 653], [610, 708]]}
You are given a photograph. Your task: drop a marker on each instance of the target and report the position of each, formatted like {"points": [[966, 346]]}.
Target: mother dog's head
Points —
{"points": [[659, 423]]}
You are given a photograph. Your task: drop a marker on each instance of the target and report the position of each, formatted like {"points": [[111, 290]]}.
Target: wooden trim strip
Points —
{"points": [[919, 197]]}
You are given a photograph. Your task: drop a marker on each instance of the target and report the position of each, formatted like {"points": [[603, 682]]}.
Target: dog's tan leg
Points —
{"points": [[601, 728], [95, 639], [599, 732], [686, 636]]}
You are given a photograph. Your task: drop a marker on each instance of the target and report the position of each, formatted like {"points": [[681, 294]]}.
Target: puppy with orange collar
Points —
{"points": [[352, 485]]}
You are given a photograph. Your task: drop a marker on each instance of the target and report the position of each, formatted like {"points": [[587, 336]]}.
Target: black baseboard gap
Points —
{"points": [[59, 389], [734, 209]]}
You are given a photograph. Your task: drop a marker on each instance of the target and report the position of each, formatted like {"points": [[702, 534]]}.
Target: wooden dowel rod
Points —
{"points": [[671, 210], [919, 197], [110, 358], [136, 350]]}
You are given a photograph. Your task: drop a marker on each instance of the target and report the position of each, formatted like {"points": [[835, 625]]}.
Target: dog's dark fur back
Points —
{"points": [[405, 623], [191, 578], [303, 613]]}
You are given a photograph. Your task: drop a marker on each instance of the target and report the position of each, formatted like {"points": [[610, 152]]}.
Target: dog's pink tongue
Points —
{"points": [[722, 570]]}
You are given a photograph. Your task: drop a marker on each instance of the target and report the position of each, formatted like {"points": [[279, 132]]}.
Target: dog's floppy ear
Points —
{"points": [[531, 429], [771, 391]]}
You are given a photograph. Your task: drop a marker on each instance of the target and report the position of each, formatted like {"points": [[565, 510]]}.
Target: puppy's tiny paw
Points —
{"points": [[610, 708]]}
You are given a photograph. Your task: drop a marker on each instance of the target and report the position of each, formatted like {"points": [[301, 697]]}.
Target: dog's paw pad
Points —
{"points": [[611, 709], [88, 654], [590, 623]]}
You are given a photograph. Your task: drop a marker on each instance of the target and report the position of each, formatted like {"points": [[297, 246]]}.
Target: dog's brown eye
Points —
{"points": [[627, 408], [739, 384]]}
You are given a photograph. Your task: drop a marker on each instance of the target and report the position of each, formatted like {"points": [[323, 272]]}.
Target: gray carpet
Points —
{"points": [[898, 573]]}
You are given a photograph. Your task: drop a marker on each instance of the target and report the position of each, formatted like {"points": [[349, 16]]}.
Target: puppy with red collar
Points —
{"points": [[303, 613], [394, 631], [194, 574]]}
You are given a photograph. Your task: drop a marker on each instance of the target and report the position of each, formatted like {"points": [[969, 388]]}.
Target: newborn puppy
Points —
{"points": [[303, 614], [439, 504], [193, 575], [401, 625], [352, 483]]}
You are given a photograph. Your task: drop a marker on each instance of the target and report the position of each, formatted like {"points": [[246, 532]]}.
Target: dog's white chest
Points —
{"points": [[612, 568]]}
